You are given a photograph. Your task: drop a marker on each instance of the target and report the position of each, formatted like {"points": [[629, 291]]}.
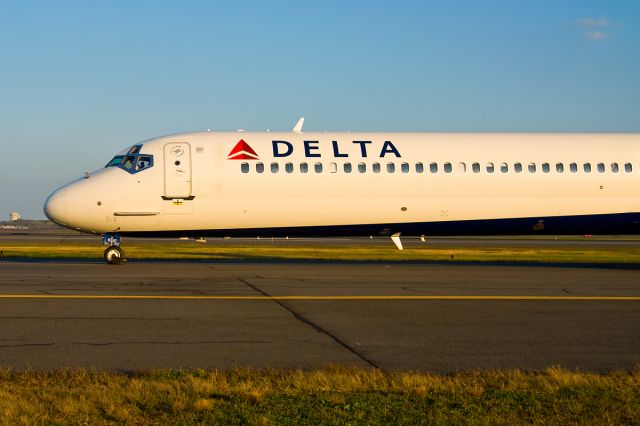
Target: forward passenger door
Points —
{"points": [[177, 170]]}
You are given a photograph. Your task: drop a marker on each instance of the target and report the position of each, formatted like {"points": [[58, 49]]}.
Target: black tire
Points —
{"points": [[114, 255]]}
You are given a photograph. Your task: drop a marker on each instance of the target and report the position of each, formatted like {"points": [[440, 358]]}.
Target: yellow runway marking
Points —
{"points": [[317, 298]]}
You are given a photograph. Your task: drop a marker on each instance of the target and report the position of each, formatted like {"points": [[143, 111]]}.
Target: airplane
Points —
{"points": [[238, 184]]}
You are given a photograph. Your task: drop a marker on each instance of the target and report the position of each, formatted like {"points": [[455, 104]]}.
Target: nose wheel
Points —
{"points": [[114, 255]]}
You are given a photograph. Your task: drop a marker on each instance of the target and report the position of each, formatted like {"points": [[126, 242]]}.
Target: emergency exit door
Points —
{"points": [[177, 170]]}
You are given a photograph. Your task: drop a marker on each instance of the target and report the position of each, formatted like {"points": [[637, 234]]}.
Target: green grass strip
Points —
{"points": [[337, 395], [296, 251]]}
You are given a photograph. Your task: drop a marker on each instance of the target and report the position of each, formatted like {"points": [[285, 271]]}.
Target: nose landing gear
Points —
{"points": [[113, 255]]}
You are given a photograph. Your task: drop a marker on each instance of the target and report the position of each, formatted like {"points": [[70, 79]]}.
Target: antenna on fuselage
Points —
{"points": [[298, 127]]}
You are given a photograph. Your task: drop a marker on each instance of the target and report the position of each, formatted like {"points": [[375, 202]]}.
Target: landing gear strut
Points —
{"points": [[113, 255]]}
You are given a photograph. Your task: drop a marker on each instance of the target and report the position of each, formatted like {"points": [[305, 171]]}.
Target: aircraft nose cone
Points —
{"points": [[56, 206]]}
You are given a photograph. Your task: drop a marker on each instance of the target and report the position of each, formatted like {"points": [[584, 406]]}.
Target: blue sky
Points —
{"points": [[79, 80]]}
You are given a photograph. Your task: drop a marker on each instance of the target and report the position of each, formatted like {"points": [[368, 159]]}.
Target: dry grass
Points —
{"points": [[192, 251], [335, 395]]}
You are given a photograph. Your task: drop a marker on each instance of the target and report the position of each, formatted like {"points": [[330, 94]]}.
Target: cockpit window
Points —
{"points": [[144, 162], [115, 161], [131, 160], [128, 162]]}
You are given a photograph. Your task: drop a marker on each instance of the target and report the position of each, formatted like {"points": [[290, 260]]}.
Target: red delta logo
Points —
{"points": [[242, 151]]}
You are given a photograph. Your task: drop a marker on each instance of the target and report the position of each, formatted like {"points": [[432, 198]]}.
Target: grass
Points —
{"points": [[337, 395], [296, 251]]}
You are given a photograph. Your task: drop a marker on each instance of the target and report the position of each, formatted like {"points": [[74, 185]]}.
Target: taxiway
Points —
{"points": [[434, 317]]}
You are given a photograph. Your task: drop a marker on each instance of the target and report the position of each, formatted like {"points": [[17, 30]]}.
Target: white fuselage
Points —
{"points": [[198, 184]]}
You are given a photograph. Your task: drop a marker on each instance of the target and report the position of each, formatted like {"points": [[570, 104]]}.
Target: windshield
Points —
{"points": [[132, 160], [115, 162]]}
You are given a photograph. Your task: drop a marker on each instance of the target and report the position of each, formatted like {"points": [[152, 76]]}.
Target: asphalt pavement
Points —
{"points": [[433, 317]]}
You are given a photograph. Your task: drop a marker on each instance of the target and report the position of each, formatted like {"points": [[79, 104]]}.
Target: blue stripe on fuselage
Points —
{"points": [[602, 224]]}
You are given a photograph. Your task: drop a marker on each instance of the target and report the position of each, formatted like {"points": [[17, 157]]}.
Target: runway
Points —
{"points": [[433, 318]]}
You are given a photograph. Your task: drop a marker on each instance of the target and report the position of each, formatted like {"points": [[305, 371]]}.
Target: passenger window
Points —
{"points": [[447, 167], [304, 168], [259, 167], [274, 167], [475, 167], [490, 168], [419, 168], [545, 168], [587, 167], [559, 167], [600, 167], [363, 167], [404, 167], [433, 168], [462, 167], [317, 167], [288, 167], [504, 168], [347, 167], [244, 167], [532, 167], [333, 168], [517, 167], [614, 167], [628, 167], [391, 167], [376, 167], [573, 168]]}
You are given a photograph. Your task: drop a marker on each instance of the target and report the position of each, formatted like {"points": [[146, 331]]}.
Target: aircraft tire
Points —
{"points": [[114, 255]]}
